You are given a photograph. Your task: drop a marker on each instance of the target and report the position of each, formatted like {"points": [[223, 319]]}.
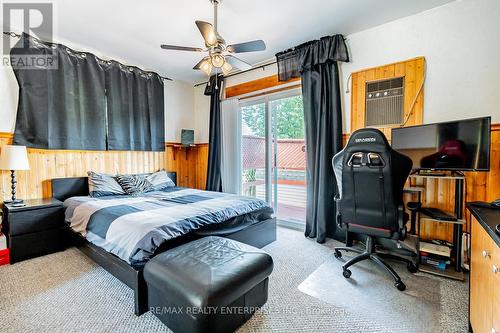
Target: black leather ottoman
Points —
{"points": [[212, 284]]}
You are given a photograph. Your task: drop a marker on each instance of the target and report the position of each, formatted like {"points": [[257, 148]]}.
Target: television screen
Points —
{"points": [[456, 145]]}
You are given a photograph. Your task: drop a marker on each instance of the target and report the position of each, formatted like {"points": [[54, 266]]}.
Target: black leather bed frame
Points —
{"points": [[258, 235]]}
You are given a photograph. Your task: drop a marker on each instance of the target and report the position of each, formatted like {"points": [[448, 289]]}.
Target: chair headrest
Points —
{"points": [[368, 139]]}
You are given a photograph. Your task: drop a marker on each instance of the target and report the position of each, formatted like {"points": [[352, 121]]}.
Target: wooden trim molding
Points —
{"points": [[391, 64], [256, 85], [175, 144]]}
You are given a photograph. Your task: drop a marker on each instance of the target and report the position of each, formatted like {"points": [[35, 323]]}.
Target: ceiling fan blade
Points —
{"points": [[208, 32], [181, 48], [198, 65], [238, 63], [256, 45]]}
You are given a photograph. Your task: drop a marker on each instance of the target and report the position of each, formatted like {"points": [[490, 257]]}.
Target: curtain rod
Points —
{"points": [[238, 73], [16, 35]]}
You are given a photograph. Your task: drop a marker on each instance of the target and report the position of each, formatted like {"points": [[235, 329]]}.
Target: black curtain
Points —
{"points": [[214, 180], [315, 63], [135, 109], [61, 101]]}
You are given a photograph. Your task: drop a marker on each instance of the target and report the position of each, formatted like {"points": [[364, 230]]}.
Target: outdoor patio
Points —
{"points": [[291, 167]]}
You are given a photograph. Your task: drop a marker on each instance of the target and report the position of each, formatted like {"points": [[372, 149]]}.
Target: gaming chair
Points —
{"points": [[370, 177]]}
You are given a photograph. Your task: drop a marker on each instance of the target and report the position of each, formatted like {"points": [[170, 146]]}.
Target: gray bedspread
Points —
{"points": [[133, 227]]}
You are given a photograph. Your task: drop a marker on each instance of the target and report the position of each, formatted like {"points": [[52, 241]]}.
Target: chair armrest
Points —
{"points": [[401, 221], [338, 216]]}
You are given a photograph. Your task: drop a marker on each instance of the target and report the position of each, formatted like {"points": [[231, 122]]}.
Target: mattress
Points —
{"points": [[134, 227]]}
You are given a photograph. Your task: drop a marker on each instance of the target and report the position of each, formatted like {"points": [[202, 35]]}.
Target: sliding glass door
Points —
{"points": [[254, 159], [273, 153]]}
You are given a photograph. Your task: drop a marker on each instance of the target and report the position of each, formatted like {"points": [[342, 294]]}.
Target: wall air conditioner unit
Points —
{"points": [[384, 102]]}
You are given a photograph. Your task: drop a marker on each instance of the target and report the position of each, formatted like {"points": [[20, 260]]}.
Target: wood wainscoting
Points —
{"points": [[190, 165]]}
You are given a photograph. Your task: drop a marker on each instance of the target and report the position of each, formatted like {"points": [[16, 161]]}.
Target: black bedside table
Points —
{"points": [[35, 229]]}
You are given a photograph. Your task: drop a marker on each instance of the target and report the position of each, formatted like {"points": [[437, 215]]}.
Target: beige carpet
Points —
{"points": [[67, 292]]}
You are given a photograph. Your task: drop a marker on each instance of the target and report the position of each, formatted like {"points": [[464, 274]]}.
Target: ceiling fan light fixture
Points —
{"points": [[206, 67], [220, 58], [226, 68], [217, 60]]}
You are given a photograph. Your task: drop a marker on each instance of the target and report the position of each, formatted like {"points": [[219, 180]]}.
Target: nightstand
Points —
{"points": [[35, 229]]}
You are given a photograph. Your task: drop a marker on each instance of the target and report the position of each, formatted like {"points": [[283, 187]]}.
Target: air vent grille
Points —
{"points": [[384, 102]]}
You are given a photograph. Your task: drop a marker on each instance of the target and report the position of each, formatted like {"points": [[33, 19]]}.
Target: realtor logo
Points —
{"points": [[36, 20]]}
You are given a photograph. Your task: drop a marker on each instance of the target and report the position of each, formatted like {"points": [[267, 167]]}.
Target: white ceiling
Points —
{"points": [[132, 31]]}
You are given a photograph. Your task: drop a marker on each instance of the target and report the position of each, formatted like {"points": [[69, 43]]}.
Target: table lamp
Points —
{"points": [[14, 158]]}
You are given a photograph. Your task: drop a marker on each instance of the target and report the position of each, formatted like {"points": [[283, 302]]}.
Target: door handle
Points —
{"points": [[495, 269], [485, 254]]}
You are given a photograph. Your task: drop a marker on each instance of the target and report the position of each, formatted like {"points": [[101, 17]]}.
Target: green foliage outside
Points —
{"points": [[288, 117]]}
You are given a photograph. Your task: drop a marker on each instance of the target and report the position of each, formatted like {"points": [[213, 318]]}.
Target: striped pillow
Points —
{"points": [[134, 184], [101, 184], [160, 180]]}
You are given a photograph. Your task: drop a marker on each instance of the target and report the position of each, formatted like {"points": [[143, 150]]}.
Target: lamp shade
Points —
{"points": [[14, 158]]}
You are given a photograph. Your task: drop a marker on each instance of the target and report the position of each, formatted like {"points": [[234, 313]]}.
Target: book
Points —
{"points": [[434, 256], [439, 264], [440, 250]]}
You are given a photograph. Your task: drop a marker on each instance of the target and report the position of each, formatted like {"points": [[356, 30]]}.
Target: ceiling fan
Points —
{"points": [[220, 55]]}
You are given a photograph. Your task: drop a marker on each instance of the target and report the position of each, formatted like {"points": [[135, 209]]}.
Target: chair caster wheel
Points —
{"points": [[400, 285], [337, 254], [412, 268], [346, 273]]}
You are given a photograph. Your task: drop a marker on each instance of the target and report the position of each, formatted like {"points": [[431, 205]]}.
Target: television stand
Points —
{"points": [[459, 180], [432, 173]]}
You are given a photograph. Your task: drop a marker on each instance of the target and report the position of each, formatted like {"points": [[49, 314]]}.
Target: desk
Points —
{"points": [[484, 312]]}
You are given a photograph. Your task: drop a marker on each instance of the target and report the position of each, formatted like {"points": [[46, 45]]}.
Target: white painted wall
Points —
{"points": [[460, 40], [9, 91], [202, 115], [461, 44], [179, 109], [252, 75]]}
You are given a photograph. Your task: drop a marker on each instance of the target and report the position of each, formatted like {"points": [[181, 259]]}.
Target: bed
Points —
{"points": [[122, 233]]}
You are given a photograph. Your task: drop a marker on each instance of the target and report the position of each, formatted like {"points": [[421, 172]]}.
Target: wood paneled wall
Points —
{"points": [[413, 72], [189, 163]]}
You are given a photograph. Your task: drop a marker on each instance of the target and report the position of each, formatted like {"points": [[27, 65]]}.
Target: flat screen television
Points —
{"points": [[462, 145]]}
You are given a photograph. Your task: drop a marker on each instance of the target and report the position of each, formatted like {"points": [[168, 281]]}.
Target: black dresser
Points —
{"points": [[35, 229]]}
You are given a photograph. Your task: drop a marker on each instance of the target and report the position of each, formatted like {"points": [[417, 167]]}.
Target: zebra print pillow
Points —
{"points": [[134, 184]]}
